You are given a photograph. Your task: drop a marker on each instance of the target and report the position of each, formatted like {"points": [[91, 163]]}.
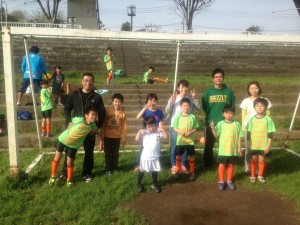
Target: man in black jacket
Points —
{"points": [[77, 102]]}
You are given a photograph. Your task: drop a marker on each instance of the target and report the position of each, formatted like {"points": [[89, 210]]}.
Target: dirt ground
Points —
{"points": [[198, 203]]}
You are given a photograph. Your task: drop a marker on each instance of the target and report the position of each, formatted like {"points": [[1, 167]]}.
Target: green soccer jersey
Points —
{"points": [[74, 136], [259, 129], [46, 101], [146, 76], [229, 135], [185, 124], [109, 61]]}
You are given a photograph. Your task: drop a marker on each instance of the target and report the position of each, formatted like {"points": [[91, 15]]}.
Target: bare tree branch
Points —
{"points": [[50, 15]]}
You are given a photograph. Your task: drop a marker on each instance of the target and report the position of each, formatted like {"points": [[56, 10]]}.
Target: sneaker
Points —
{"points": [[108, 173], [52, 181], [60, 104], [247, 170], [252, 179], [192, 177], [261, 179], [184, 170], [43, 134], [221, 186], [87, 178], [156, 188], [173, 170], [231, 185], [61, 178], [136, 169], [18, 104], [69, 184], [2, 132], [140, 188]]}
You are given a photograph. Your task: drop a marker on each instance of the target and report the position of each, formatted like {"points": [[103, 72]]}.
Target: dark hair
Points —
{"points": [[58, 67], [108, 48], [149, 120], [118, 96], [185, 100], [151, 68], [44, 82], [255, 83], [218, 70], [151, 95], [228, 108], [34, 49], [184, 83], [88, 75], [89, 109], [262, 101]]}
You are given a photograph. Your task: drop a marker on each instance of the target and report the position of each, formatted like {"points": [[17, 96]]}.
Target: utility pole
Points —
{"points": [[131, 11]]}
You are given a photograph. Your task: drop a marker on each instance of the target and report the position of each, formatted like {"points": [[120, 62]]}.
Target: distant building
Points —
{"points": [[84, 12]]}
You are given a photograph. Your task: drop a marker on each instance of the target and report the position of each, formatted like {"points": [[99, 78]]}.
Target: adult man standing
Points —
{"points": [[77, 102], [213, 101], [38, 68]]}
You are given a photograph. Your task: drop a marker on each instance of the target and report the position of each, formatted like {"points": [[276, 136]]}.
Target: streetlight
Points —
{"points": [[131, 11]]}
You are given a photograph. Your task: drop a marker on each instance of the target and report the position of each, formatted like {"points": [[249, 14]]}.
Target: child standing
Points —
{"points": [[149, 162], [185, 125], [70, 140], [260, 132], [113, 133], [110, 62], [46, 103], [149, 80], [229, 133], [150, 109], [58, 84], [173, 108], [248, 111]]}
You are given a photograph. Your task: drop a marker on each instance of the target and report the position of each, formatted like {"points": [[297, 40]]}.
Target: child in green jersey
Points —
{"points": [[70, 141], [149, 80], [109, 62], [260, 130], [185, 125], [229, 133], [46, 106]]}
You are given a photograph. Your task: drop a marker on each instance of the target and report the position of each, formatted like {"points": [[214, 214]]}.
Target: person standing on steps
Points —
{"points": [[79, 100], [38, 68], [213, 101], [109, 61]]}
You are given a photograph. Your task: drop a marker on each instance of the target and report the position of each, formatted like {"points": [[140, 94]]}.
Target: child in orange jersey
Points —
{"points": [[70, 140], [260, 133], [113, 133]]}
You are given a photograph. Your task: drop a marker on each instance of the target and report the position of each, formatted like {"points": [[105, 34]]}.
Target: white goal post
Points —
{"points": [[8, 34]]}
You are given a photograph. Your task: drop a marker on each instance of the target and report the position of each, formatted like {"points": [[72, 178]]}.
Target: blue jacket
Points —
{"points": [[37, 65]]}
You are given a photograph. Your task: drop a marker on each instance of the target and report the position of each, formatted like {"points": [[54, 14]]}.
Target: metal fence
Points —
{"points": [[40, 25]]}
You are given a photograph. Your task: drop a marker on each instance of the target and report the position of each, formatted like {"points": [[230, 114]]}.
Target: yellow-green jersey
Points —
{"points": [[260, 129], [229, 135], [185, 124]]}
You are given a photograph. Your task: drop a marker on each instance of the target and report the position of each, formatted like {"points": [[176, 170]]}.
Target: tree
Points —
{"points": [[17, 16], [152, 27], [255, 29], [126, 26], [190, 8], [51, 15]]}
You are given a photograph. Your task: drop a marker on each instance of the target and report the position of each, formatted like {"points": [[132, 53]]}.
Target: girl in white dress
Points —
{"points": [[248, 111], [149, 162]]}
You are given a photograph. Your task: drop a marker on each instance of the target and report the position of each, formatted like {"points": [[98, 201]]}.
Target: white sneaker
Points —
{"points": [[261, 179]]}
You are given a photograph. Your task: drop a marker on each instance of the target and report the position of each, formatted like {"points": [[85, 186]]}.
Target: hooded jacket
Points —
{"points": [[213, 101]]}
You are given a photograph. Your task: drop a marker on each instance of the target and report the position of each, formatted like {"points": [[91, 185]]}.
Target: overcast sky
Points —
{"points": [[222, 15]]}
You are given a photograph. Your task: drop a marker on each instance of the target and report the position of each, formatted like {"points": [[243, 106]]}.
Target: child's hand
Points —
{"points": [[212, 124], [240, 153], [193, 93], [101, 143], [267, 150], [186, 134], [174, 96], [142, 131]]}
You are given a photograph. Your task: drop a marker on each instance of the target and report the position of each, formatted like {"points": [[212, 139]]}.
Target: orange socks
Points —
{"points": [[252, 168], [44, 129], [109, 76], [54, 167], [221, 171], [178, 164], [230, 169], [192, 166], [70, 172], [48, 128], [261, 168]]}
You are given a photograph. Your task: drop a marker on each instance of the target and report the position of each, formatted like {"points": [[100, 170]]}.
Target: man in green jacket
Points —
{"points": [[213, 101]]}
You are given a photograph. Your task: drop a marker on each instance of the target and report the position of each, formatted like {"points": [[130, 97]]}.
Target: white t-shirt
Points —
{"points": [[247, 104], [151, 146]]}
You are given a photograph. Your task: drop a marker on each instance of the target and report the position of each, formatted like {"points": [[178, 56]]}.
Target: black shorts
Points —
{"points": [[47, 113], [71, 152], [190, 149], [257, 152], [26, 83], [227, 159]]}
